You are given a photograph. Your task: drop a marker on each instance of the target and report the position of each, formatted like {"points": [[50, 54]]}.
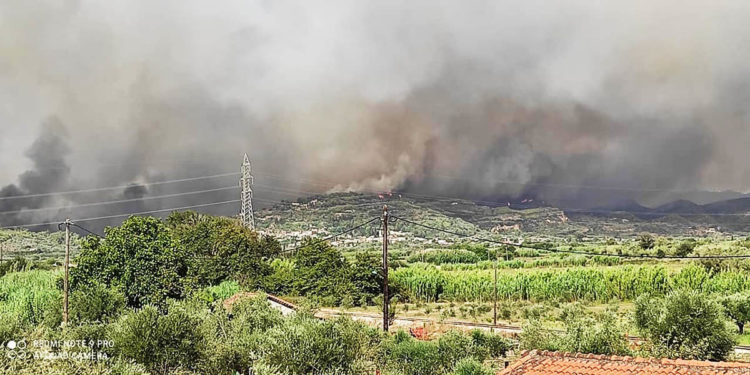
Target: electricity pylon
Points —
{"points": [[246, 183]]}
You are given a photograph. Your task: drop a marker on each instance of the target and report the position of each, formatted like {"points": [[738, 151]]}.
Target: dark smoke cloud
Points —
{"points": [[495, 100]]}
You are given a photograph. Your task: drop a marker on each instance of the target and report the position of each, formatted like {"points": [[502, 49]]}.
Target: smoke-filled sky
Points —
{"points": [[480, 99]]}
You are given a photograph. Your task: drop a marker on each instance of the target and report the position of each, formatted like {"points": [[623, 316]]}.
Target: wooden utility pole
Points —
{"points": [[494, 288], [67, 268], [386, 320]]}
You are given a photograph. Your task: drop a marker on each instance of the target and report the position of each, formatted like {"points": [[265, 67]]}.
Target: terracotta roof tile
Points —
{"points": [[558, 363]]}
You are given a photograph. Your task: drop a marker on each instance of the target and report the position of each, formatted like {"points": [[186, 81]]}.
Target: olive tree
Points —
{"points": [[684, 324]]}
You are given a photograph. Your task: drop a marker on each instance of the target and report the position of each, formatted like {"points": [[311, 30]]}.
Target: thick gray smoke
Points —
{"points": [[577, 102]]}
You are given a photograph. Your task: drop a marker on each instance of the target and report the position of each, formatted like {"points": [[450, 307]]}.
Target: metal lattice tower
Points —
{"points": [[246, 183]]}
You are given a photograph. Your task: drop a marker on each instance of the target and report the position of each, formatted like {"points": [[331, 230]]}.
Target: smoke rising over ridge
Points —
{"points": [[480, 99]]}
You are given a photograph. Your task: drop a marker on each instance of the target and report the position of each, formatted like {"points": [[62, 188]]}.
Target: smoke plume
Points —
{"points": [[575, 103]]}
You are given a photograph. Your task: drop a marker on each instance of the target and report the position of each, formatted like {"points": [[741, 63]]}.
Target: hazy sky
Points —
{"points": [[439, 96]]}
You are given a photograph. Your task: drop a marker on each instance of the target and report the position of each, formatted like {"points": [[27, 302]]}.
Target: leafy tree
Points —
{"points": [[685, 248], [367, 275], [139, 257], [684, 324], [322, 271], [737, 308], [646, 241], [219, 248]]}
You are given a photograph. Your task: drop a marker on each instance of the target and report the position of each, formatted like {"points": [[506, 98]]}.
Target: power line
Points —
{"points": [[639, 256], [119, 201], [118, 187], [127, 214], [86, 230]]}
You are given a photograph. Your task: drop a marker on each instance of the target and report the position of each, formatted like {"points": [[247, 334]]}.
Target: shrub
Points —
{"points": [[233, 339], [306, 345], [162, 343], [220, 292], [96, 303], [598, 334], [401, 353], [470, 366], [685, 248]]}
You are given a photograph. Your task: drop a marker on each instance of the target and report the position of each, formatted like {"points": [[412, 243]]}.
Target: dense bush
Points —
{"points": [[233, 339], [403, 354], [161, 342], [306, 345], [596, 334], [96, 303]]}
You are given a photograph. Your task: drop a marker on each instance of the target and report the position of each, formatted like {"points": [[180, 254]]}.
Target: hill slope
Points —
{"points": [[325, 214]]}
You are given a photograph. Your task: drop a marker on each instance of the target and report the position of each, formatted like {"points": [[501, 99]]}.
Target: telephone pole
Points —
{"points": [[67, 224], [494, 288], [386, 319]]}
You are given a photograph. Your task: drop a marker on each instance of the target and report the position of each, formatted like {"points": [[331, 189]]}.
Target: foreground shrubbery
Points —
{"points": [[584, 333], [196, 337]]}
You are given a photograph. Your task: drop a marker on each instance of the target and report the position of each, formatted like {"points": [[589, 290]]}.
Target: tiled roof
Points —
{"points": [[553, 363]]}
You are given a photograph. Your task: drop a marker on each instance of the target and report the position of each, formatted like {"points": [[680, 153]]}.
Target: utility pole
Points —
{"points": [[67, 224], [386, 320], [494, 288]]}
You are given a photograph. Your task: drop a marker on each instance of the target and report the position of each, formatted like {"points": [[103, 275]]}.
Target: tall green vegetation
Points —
{"points": [[442, 256], [428, 283], [28, 299]]}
